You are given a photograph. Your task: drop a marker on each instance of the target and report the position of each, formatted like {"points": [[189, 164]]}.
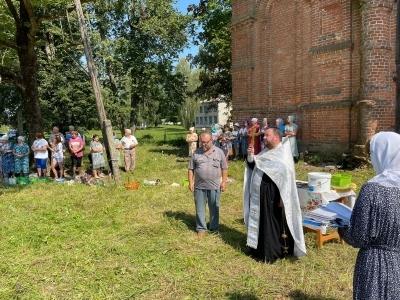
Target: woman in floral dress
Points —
{"points": [[7, 158], [21, 157]]}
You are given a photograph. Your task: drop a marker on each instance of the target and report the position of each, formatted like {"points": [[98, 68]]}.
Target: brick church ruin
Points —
{"points": [[328, 62]]}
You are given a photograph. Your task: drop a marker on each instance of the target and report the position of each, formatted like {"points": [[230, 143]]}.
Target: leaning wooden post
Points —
{"points": [[104, 123]]}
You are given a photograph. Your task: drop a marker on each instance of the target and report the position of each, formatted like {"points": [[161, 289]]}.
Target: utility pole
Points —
{"points": [[397, 105], [105, 124]]}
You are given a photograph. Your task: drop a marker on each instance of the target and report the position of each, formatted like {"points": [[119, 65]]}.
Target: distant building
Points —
{"points": [[212, 112]]}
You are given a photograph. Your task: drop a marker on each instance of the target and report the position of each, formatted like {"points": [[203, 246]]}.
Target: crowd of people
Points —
{"points": [[51, 154], [235, 141]]}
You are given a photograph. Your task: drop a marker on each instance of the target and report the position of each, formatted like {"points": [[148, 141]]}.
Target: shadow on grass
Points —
{"points": [[300, 295], [230, 236], [241, 296]]}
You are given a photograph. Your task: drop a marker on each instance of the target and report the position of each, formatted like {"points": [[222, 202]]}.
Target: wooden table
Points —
{"points": [[311, 200], [321, 238]]}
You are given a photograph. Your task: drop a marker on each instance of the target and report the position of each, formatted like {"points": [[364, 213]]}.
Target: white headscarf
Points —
{"points": [[385, 157]]}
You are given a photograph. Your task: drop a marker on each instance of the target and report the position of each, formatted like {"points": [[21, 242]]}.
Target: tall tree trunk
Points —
{"points": [[25, 40]]}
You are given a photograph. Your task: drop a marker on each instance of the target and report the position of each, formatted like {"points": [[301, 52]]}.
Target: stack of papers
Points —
{"points": [[334, 214]]}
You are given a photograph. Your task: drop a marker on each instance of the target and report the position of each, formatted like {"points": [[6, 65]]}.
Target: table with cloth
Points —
{"points": [[310, 200]]}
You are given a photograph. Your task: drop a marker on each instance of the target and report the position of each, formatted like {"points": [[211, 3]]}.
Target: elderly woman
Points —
{"points": [[191, 139], [21, 157], [39, 148], [374, 224], [279, 124], [291, 132], [97, 150], [7, 158]]}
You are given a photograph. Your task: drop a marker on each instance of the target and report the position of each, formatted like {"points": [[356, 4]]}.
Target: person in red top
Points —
{"points": [[76, 146], [253, 136]]}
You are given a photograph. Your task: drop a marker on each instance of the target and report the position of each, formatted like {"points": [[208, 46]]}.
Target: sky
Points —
{"points": [[182, 6]]}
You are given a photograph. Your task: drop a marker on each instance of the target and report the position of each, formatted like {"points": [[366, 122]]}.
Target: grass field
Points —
{"points": [[82, 242]]}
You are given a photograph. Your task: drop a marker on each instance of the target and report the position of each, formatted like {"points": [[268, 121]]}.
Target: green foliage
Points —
{"points": [[214, 57], [140, 41], [316, 160], [190, 107], [23, 28], [65, 99], [135, 44], [10, 102]]}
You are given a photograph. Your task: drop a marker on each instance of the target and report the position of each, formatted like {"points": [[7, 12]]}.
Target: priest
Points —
{"points": [[272, 212]]}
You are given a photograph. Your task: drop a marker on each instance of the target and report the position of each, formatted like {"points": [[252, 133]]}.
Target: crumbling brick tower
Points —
{"points": [[328, 62]]}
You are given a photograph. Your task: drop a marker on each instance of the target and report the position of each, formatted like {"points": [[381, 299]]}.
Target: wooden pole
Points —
{"points": [[104, 123]]}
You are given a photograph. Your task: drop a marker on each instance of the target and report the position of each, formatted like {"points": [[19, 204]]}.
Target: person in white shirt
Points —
{"points": [[129, 143], [39, 148]]}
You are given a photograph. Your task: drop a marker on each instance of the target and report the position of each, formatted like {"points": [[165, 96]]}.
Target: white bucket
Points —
{"points": [[320, 181]]}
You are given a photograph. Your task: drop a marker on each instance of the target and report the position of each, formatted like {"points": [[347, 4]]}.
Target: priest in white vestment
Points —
{"points": [[271, 205]]}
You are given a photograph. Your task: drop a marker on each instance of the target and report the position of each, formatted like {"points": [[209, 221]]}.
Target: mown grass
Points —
{"points": [[81, 242]]}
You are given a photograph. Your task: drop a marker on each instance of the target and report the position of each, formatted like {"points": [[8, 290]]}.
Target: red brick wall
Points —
{"points": [[316, 60]]}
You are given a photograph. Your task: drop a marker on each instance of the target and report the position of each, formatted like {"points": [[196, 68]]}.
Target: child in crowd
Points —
{"points": [[224, 147]]}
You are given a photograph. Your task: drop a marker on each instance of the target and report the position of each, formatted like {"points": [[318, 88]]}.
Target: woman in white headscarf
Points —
{"points": [[375, 224], [291, 132], [21, 157], [191, 139]]}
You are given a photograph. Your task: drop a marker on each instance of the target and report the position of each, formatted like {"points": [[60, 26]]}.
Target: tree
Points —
{"points": [[23, 31], [145, 37], [214, 56], [135, 44], [189, 109], [65, 99]]}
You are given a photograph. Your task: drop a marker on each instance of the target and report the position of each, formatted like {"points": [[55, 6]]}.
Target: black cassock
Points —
{"points": [[274, 235]]}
